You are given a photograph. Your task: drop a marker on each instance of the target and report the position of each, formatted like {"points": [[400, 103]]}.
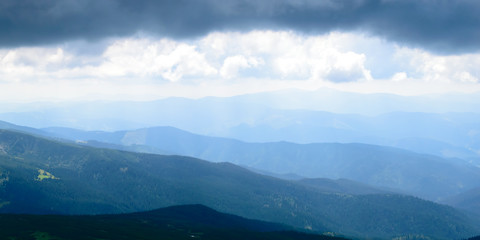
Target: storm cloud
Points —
{"points": [[447, 27]]}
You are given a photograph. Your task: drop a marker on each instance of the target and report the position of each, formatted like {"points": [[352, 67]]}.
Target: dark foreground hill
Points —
{"points": [[42, 176], [178, 222]]}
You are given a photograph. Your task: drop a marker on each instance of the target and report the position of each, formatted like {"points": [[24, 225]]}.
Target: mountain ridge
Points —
{"points": [[380, 166], [90, 180], [251, 119]]}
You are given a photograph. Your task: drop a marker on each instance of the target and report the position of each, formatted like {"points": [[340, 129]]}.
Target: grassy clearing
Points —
{"points": [[42, 174]]}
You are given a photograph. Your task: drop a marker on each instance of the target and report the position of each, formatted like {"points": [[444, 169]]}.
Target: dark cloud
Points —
{"points": [[441, 26]]}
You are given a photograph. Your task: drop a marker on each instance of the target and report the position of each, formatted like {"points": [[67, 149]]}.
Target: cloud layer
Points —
{"points": [[229, 63], [447, 27], [228, 56]]}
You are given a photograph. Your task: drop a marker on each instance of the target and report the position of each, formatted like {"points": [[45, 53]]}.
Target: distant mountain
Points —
{"points": [[341, 186], [43, 176], [295, 116], [14, 127], [325, 99], [468, 200], [165, 140], [422, 175], [438, 148], [453, 135], [178, 222]]}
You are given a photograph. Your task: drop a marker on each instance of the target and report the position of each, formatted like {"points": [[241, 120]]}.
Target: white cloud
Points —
{"points": [[399, 77], [32, 64], [232, 63], [432, 68], [146, 58], [290, 56], [282, 55]]}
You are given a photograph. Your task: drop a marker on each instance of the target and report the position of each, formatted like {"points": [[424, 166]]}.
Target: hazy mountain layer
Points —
{"points": [[422, 175], [41, 176], [342, 186], [468, 200], [447, 126]]}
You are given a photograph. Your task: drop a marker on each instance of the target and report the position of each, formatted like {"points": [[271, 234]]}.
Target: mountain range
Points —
{"points": [[167, 140], [425, 124], [44, 176], [422, 175]]}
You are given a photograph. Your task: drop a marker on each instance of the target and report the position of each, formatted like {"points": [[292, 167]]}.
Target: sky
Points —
{"points": [[143, 50]]}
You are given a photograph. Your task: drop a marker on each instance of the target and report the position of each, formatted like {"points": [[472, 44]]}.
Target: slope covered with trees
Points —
{"points": [[178, 222], [422, 175], [42, 176]]}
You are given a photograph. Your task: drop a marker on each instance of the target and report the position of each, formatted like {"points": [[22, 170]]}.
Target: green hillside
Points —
{"points": [[42, 176], [179, 222], [425, 176]]}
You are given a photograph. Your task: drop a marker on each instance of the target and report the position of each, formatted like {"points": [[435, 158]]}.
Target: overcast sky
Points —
{"points": [[115, 49]]}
